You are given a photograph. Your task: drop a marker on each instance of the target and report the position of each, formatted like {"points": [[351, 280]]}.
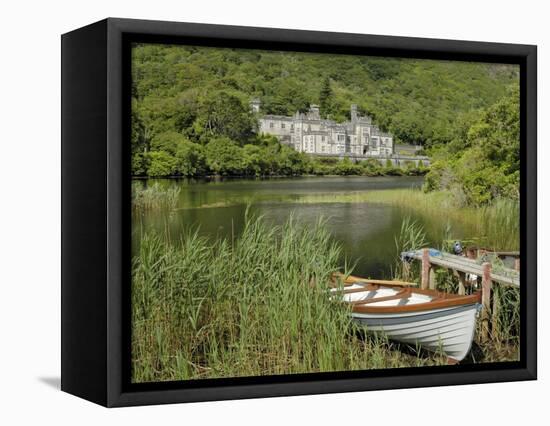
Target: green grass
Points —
{"points": [[254, 306]]}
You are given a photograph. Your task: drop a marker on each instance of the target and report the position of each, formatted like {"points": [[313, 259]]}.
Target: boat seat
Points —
{"points": [[368, 287], [399, 295]]}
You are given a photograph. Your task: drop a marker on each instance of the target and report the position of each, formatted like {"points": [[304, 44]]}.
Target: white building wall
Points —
{"points": [[304, 135]]}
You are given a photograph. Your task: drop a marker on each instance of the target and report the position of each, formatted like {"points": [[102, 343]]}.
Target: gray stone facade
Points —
{"points": [[308, 132]]}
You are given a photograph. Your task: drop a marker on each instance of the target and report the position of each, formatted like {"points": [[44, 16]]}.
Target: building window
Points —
{"points": [[292, 127], [282, 125], [271, 125], [341, 138], [323, 138], [309, 127]]}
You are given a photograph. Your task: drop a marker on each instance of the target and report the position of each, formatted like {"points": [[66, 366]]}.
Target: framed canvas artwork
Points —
{"points": [[252, 212]]}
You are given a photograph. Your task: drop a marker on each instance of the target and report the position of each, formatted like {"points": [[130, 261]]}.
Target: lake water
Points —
{"points": [[366, 231]]}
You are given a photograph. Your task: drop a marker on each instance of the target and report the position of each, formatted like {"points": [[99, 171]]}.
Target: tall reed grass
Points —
{"points": [[154, 197], [257, 305]]}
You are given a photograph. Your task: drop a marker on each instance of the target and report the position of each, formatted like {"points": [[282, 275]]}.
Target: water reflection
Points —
{"points": [[366, 230]]}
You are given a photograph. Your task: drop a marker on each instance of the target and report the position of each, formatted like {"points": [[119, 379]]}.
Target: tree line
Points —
{"points": [[191, 114], [482, 161], [176, 155]]}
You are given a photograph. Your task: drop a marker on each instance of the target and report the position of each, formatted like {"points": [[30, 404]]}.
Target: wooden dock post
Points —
{"points": [[486, 285], [425, 269], [431, 279], [495, 325], [461, 283], [406, 268]]}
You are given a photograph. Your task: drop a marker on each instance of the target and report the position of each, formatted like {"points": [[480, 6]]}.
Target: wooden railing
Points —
{"points": [[466, 270]]}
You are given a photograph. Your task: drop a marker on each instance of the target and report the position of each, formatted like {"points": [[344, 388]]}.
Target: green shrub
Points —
{"points": [[161, 164]]}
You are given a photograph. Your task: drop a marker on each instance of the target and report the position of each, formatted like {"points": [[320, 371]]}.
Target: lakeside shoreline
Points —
{"points": [[265, 177]]}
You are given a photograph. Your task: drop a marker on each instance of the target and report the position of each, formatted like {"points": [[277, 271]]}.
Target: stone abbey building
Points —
{"points": [[308, 132]]}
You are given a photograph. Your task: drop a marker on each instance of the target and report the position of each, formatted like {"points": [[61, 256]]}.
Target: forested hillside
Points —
{"points": [[417, 100], [191, 114]]}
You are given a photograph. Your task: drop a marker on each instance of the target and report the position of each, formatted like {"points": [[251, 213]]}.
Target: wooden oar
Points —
{"points": [[358, 280]]}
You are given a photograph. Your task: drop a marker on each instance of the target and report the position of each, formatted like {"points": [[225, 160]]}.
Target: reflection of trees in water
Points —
{"points": [[366, 231]]}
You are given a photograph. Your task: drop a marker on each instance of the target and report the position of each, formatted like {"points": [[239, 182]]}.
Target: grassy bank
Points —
{"points": [[253, 306], [258, 305]]}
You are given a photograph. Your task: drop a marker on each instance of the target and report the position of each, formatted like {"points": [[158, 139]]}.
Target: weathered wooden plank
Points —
{"points": [[461, 283], [448, 260], [425, 269], [512, 279], [466, 265], [486, 285], [504, 253], [431, 279], [406, 270]]}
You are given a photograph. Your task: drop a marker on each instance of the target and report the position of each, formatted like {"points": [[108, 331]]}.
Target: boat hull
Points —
{"points": [[450, 330]]}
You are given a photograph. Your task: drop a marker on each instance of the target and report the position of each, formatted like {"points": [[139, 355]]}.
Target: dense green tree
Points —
{"points": [[417, 100], [188, 101], [161, 164], [224, 157], [190, 159], [167, 142], [140, 163], [222, 114], [487, 166], [326, 98], [255, 162]]}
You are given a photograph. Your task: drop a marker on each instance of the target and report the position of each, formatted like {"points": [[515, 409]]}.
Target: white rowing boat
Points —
{"points": [[434, 320]]}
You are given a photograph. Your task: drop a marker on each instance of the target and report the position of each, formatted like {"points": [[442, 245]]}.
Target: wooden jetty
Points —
{"points": [[461, 266]]}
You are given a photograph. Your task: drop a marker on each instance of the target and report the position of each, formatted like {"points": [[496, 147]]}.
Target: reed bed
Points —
{"points": [[257, 305], [154, 197]]}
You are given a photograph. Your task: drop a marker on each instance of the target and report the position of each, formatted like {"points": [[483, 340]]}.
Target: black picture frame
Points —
{"points": [[96, 210]]}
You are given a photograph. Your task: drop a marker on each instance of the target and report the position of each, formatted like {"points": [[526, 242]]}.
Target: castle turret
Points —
{"points": [[353, 113], [314, 112], [255, 105]]}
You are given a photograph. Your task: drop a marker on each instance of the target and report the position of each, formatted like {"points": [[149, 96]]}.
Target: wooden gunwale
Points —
{"points": [[440, 301]]}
